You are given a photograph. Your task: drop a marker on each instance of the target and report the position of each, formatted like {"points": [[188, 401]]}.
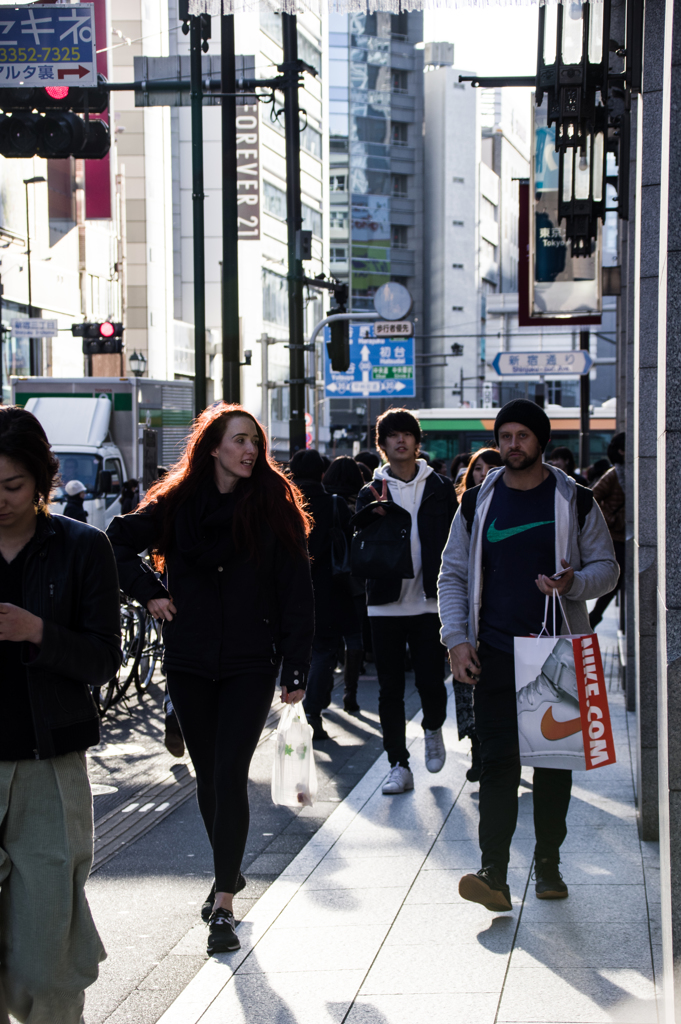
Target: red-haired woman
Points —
{"points": [[229, 529]]}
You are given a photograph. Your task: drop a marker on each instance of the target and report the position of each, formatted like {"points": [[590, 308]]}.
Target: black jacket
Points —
{"points": [[333, 606], [70, 581], [235, 613], [434, 517], [73, 509]]}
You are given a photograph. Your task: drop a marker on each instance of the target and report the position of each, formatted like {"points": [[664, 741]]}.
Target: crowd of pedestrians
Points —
{"points": [[264, 574]]}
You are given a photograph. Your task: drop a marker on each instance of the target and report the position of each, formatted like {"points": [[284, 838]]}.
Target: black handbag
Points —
{"points": [[382, 550], [340, 549]]}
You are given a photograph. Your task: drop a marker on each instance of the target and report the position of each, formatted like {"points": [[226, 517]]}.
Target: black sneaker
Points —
{"points": [[222, 936], [549, 884], [487, 888], [207, 908]]}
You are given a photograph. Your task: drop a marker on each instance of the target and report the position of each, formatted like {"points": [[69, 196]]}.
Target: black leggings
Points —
{"points": [[221, 722]]}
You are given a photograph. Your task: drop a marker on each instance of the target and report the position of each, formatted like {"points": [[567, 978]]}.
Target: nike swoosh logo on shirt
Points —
{"points": [[553, 730], [494, 535]]}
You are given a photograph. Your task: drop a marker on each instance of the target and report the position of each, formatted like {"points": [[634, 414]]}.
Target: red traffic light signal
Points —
{"points": [[99, 338]]}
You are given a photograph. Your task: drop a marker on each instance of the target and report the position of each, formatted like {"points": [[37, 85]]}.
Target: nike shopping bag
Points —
{"points": [[562, 703], [294, 776]]}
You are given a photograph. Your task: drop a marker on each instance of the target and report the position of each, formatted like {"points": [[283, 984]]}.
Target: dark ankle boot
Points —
{"points": [[475, 771], [353, 665]]}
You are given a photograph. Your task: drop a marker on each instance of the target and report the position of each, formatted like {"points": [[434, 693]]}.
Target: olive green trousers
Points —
{"points": [[49, 947]]}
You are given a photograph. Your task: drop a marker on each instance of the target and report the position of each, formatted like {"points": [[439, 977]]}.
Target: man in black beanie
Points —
{"points": [[511, 535]]}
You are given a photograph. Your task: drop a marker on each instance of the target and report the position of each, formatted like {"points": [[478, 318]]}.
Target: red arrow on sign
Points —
{"points": [[80, 71]]}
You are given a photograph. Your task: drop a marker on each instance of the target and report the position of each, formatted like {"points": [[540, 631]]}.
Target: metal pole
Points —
{"points": [[294, 218], [231, 356], [265, 379], [198, 219], [32, 361], [584, 403]]}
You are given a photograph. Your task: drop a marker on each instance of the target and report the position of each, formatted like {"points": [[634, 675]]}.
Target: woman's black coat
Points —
{"points": [[334, 608], [235, 613], [70, 581]]}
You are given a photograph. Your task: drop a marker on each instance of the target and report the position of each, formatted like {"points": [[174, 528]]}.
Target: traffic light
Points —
{"points": [[44, 122], [99, 338], [57, 97], [338, 347]]}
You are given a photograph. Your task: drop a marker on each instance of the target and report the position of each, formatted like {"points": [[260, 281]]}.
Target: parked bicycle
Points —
{"points": [[141, 646]]}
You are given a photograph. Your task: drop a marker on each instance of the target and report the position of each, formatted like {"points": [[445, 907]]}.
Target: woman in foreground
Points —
{"points": [[59, 634], [230, 529]]}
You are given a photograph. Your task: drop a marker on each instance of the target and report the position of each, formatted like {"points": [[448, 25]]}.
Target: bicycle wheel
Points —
{"points": [[132, 636], [152, 648], [103, 696]]}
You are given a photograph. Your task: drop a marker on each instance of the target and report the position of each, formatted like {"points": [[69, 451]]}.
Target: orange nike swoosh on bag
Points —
{"points": [[553, 730]]}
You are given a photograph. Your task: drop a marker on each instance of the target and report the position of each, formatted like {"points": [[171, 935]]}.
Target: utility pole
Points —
{"points": [[294, 218], [199, 29], [584, 404], [231, 356]]}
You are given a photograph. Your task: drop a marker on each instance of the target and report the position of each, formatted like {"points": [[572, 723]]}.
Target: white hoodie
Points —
{"points": [[408, 494]]}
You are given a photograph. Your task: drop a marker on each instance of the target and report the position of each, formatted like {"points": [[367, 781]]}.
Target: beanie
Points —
{"points": [[307, 464], [531, 415]]}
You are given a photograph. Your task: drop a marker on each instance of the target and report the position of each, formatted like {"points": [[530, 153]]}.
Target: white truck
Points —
{"points": [[106, 430]]}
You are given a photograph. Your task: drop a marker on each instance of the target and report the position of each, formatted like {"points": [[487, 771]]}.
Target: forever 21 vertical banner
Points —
{"points": [[248, 168]]}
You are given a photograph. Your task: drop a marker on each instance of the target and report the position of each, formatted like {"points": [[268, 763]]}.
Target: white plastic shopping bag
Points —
{"points": [[294, 776], [561, 700]]}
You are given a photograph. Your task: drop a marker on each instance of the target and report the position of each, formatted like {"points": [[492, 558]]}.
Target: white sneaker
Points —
{"points": [[436, 755], [399, 781]]}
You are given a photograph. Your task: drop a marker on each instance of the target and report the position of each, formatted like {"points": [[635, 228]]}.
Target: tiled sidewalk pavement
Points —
{"points": [[366, 926]]}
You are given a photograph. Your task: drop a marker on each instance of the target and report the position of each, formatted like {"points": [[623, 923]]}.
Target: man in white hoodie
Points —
{"points": [[417, 507]]}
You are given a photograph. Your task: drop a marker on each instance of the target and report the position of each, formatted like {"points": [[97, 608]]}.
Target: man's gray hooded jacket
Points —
{"points": [[589, 551]]}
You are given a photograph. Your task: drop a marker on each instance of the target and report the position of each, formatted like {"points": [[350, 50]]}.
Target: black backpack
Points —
{"points": [[382, 550], [469, 500]]}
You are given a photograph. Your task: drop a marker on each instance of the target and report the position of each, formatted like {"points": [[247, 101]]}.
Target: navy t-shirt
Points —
{"points": [[518, 544]]}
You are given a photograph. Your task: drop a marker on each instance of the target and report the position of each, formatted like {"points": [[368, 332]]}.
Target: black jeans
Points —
{"points": [[320, 679], [496, 725], [390, 636], [221, 722]]}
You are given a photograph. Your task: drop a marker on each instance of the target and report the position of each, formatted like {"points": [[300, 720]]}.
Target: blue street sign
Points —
{"points": [[47, 45], [553, 364], [379, 367]]}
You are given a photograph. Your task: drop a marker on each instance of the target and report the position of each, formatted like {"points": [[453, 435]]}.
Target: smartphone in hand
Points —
{"points": [[561, 572]]}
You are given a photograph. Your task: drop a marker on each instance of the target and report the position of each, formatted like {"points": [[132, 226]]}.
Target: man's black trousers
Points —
{"points": [[496, 724], [390, 636]]}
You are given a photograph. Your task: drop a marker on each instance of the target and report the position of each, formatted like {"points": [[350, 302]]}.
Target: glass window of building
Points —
{"points": [[399, 133], [312, 220], [270, 23], [399, 187], [398, 236], [338, 183], [274, 298], [400, 80], [275, 200]]}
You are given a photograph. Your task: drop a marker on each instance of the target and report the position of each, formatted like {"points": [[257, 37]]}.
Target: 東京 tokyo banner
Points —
{"points": [[343, 6], [379, 367]]}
